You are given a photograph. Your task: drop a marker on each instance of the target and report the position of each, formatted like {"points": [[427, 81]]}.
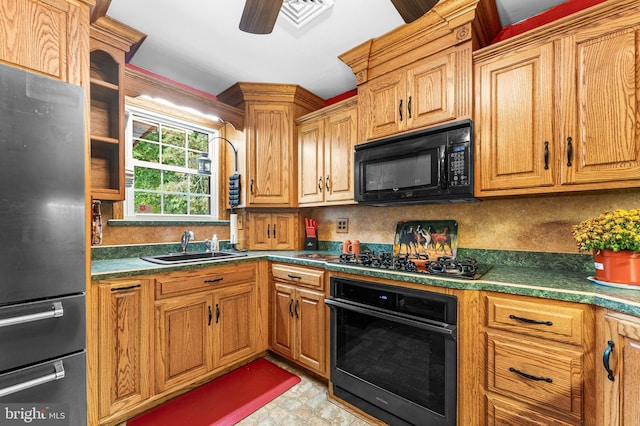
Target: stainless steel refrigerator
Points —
{"points": [[42, 251]]}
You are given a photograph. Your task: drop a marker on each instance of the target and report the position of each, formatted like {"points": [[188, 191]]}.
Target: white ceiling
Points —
{"points": [[198, 43]]}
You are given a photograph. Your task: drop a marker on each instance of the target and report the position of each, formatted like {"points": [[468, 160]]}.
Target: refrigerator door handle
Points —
{"points": [[55, 312], [56, 375]]}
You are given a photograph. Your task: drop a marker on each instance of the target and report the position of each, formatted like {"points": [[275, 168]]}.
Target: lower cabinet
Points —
{"points": [[618, 376], [539, 361], [122, 320], [298, 316], [208, 323]]}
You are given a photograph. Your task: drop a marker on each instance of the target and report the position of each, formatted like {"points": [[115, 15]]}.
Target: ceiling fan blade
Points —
{"points": [[259, 16], [410, 10]]}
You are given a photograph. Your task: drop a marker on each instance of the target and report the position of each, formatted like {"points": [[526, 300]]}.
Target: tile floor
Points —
{"points": [[304, 404]]}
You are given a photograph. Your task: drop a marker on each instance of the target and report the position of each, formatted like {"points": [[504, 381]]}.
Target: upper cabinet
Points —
{"points": [[417, 96], [47, 37], [325, 154], [559, 109], [110, 40], [270, 113], [420, 74]]}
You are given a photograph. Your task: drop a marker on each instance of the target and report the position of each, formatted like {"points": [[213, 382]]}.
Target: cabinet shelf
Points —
{"points": [[104, 140]]}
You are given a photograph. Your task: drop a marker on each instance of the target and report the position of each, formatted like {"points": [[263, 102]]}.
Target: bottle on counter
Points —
{"points": [[214, 243]]}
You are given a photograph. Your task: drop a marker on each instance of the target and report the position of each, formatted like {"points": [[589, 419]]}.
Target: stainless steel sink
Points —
{"points": [[177, 258]]}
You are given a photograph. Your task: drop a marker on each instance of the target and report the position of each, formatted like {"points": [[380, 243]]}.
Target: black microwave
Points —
{"points": [[434, 165]]}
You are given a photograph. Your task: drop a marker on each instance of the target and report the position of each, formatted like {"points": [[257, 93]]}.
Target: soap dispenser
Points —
{"points": [[214, 243]]}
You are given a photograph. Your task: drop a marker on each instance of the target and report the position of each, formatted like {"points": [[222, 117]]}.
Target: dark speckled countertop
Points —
{"points": [[545, 275]]}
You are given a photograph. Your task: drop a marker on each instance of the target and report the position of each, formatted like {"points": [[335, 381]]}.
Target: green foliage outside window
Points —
{"points": [[165, 169]]}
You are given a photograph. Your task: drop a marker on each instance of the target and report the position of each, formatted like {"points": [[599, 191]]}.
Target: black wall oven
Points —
{"points": [[394, 351]]}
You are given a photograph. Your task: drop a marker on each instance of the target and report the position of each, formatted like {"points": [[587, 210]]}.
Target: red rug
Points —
{"points": [[223, 401]]}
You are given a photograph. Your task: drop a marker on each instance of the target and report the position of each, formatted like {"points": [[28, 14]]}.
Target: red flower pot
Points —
{"points": [[622, 267]]}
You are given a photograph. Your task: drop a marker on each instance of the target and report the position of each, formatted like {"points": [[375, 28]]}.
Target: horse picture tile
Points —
{"points": [[432, 238]]}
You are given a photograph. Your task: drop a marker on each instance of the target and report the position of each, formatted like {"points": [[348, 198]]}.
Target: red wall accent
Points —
{"points": [[173, 82], [560, 11]]}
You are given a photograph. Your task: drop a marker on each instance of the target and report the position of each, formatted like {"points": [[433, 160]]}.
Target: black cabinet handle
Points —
{"points": [[400, 109], [268, 230], [529, 376], [215, 280], [251, 186], [409, 107], [326, 183], [530, 321], [291, 308], [605, 360], [131, 287], [294, 277], [297, 307], [274, 230], [217, 314], [546, 155], [210, 314], [320, 183], [569, 151]]}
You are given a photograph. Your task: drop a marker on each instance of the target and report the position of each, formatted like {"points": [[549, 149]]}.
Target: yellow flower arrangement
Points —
{"points": [[614, 230]]}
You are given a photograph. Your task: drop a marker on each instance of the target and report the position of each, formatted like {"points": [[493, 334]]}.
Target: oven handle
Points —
{"points": [[56, 375], [56, 310], [446, 329]]}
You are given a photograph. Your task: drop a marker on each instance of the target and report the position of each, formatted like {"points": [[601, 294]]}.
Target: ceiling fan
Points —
{"points": [[259, 16]]}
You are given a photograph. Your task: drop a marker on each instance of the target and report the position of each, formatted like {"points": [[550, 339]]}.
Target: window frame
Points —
{"points": [[151, 111]]}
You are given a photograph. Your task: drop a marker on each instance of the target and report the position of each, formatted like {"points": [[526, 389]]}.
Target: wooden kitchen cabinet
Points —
{"points": [[205, 321], [539, 361], [123, 326], [270, 113], [326, 139], [618, 395], [417, 96], [49, 37], [298, 316], [560, 111], [110, 40], [272, 230]]}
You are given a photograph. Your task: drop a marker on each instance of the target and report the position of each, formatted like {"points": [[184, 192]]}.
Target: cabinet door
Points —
{"points": [[270, 162], [431, 91], [311, 162], [183, 339], [123, 329], [260, 231], [384, 105], [47, 37], [340, 137], [601, 100], [235, 323], [283, 231], [309, 313], [514, 144], [619, 397], [282, 325]]}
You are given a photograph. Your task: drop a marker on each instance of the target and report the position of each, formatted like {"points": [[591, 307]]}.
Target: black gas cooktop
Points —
{"points": [[460, 267]]}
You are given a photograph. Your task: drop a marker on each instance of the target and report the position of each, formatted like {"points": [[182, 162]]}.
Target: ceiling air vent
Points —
{"points": [[301, 12]]}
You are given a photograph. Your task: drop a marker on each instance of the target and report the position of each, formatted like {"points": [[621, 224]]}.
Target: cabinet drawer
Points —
{"points": [[503, 413], [187, 282], [537, 374], [301, 276], [561, 322]]}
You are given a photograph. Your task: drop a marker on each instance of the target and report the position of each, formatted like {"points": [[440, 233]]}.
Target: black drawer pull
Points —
{"points": [[217, 313], [294, 277], [605, 360], [210, 314], [131, 287], [530, 321], [215, 280], [529, 376], [296, 309], [291, 308]]}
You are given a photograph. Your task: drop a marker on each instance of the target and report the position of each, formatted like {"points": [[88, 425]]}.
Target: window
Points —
{"points": [[163, 153]]}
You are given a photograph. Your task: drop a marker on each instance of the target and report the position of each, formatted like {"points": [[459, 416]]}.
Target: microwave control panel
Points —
{"points": [[459, 164]]}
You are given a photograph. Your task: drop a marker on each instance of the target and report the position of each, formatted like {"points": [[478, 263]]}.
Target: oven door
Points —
{"points": [[399, 369]]}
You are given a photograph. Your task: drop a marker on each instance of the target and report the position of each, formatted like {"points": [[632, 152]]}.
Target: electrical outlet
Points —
{"points": [[342, 226]]}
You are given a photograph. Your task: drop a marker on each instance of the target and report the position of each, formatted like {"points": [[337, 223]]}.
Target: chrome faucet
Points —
{"points": [[186, 237]]}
